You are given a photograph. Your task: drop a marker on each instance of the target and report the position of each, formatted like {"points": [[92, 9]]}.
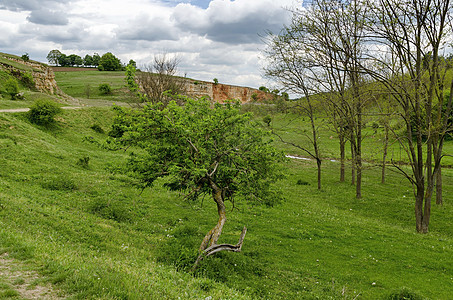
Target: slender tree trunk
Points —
{"points": [[342, 158], [384, 155], [358, 186], [439, 200], [213, 235], [419, 208], [353, 160], [318, 163]]}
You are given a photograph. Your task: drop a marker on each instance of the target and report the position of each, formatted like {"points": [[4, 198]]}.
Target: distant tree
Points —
{"points": [[202, 151], [216, 81], [25, 57], [75, 60], [109, 62], [54, 57], [132, 63], [158, 81], [63, 60], [96, 59], [88, 60]]}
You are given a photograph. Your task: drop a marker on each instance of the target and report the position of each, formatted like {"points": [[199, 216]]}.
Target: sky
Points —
{"points": [[220, 39]]}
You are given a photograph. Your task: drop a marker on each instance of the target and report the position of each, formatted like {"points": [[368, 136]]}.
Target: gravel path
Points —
{"points": [[13, 110]]}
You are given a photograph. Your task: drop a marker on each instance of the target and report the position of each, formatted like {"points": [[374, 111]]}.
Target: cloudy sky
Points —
{"points": [[214, 38]]}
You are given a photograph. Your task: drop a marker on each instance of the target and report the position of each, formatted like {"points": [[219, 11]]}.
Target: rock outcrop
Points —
{"points": [[43, 76], [222, 92]]}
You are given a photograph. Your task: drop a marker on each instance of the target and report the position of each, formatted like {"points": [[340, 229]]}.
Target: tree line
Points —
{"points": [[106, 62]]}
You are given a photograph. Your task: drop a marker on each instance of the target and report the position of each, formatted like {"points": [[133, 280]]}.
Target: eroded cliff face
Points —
{"points": [[222, 92], [43, 76]]}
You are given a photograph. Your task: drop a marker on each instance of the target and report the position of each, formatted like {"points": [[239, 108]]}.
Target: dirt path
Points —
{"points": [[13, 110], [24, 281]]}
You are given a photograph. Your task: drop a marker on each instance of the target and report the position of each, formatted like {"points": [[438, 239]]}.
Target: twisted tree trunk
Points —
{"points": [[209, 244]]}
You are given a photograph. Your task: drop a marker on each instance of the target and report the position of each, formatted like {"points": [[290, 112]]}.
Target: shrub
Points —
{"points": [[12, 87], [267, 120], [43, 112], [105, 89], [27, 80], [97, 128], [83, 162]]}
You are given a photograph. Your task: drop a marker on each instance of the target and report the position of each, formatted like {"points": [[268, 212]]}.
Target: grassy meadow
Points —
{"points": [[66, 213]]}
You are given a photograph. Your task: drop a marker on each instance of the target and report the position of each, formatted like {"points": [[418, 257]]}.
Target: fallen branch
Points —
{"points": [[217, 248]]}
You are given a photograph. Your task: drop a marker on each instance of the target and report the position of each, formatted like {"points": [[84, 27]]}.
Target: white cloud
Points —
{"points": [[215, 39]]}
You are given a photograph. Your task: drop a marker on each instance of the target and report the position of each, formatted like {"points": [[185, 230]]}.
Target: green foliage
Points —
{"points": [[43, 112], [105, 89], [27, 80], [216, 81], [96, 127], [196, 145], [83, 162], [25, 57], [12, 87], [267, 119], [109, 62], [254, 97]]}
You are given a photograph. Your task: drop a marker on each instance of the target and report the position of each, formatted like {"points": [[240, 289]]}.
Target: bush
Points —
{"points": [[83, 162], [12, 88], [267, 120], [105, 89], [43, 112], [97, 128], [27, 80]]}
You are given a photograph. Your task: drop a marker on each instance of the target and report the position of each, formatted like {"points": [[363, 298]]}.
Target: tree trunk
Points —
{"points": [[384, 155], [342, 159], [419, 208], [439, 200], [318, 163], [213, 235], [353, 159]]}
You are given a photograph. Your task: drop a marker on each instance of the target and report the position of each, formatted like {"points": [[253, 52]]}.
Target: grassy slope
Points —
{"points": [[85, 86], [88, 231], [93, 234]]}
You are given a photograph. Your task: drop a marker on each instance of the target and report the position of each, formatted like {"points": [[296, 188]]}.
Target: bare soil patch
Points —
{"points": [[25, 282], [72, 69]]}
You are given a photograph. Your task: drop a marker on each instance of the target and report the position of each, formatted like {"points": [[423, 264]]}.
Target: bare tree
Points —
{"points": [[159, 80], [320, 53], [408, 37]]}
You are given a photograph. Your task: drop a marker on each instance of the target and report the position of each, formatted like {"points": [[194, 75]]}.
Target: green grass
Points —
{"points": [[91, 233], [85, 85]]}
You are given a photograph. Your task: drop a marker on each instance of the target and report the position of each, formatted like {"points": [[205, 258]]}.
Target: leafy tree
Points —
{"points": [[88, 60], [12, 87], [63, 60], [109, 62], [25, 57], [75, 60], [54, 57], [96, 59], [202, 151]]}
